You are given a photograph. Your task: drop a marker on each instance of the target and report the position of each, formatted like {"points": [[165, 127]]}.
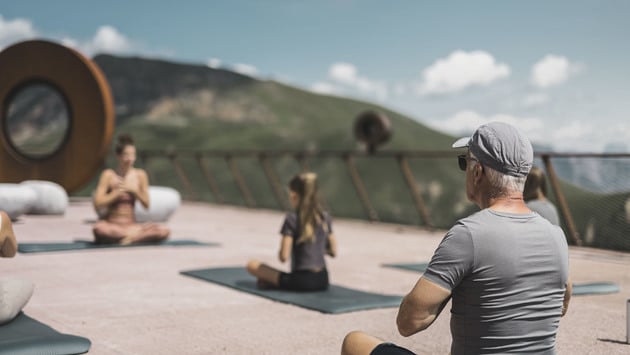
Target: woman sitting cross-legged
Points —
{"points": [[117, 192], [306, 237]]}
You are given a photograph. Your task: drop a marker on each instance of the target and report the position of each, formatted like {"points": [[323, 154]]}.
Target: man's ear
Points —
{"points": [[477, 173]]}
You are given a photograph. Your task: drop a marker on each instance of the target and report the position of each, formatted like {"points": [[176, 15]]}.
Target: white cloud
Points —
{"points": [[552, 70], [400, 89], [324, 88], [245, 69], [572, 131], [15, 30], [214, 63], [108, 39], [461, 70], [70, 42], [347, 74], [343, 72], [535, 99], [467, 121]]}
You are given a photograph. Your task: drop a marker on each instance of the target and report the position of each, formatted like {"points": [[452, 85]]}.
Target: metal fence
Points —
{"points": [[586, 209]]}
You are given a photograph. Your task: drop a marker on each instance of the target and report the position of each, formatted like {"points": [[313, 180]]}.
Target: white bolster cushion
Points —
{"points": [[51, 197], [163, 201], [16, 199], [14, 294]]}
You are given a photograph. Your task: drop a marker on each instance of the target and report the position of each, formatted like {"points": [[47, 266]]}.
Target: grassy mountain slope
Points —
{"points": [[179, 106], [185, 106]]}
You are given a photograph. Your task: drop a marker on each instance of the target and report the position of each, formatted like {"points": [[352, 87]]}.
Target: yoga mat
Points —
{"points": [[336, 299], [419, 267], [85, 244], [594, 288], [25, 336]]}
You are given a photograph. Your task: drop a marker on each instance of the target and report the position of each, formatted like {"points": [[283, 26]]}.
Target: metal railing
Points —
{"points": [[302, 158]]}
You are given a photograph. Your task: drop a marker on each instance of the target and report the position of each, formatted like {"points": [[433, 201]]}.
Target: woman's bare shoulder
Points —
{"points": [[139, 172], [108, 173]]}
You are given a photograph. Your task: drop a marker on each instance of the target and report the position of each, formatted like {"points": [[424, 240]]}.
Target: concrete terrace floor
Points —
{"points": [[134, 301]]}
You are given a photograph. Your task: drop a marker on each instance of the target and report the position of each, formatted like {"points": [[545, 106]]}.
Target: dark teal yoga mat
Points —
{"points": [[336, 299], [593, 288], [84, 244], [26, 336], [419, 267]]}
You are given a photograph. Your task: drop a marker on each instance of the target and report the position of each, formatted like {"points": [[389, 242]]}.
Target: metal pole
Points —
{"points": [[240, 182], [182, 177], [209, 178], [562, 202], [301, 159], [417, 197], [273, 182], [358, 185]]}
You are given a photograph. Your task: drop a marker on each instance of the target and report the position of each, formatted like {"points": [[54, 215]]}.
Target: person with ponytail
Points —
{"points": [[116, 193], [306, 237]]}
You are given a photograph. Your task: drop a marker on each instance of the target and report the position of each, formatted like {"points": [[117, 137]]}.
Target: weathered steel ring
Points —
{"points": [[90, 108]]}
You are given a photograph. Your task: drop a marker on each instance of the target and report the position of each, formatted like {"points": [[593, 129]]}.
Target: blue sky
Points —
{"points": [[558, 70]]}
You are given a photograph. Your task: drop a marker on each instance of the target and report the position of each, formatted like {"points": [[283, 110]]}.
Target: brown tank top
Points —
{"points": [[122, 210]]}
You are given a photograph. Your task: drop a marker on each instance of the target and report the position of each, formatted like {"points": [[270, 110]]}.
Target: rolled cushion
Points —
{"points": [[14, 294], [51, 197], [163, 201], [16, 199]]}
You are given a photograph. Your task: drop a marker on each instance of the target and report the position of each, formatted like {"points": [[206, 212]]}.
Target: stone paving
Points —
{"points": [[134, 301]]}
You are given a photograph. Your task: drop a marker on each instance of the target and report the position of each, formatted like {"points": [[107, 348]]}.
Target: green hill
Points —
{"points": [[171, 106]]}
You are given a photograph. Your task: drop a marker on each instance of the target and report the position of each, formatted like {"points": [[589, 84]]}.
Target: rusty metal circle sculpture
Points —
{"points": [[372, 128], [89, 103]]}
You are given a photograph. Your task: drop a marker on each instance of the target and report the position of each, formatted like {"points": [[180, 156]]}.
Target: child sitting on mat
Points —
{"points": [[117, 191], [306, 237]]}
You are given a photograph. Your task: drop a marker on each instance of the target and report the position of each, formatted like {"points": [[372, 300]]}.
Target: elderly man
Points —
{"points": [[505, 267]]}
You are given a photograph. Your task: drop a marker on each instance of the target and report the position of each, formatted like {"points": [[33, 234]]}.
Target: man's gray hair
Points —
{"points": [[502, 184]]}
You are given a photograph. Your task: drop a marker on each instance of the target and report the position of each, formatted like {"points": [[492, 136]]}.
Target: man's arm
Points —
{"points": [[421, 307], [567, 297]]}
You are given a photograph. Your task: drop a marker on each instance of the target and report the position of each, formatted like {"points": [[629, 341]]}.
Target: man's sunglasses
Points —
{"points": [[462, 161]]}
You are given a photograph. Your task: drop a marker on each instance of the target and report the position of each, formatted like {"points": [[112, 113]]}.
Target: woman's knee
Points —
{"points": [[252, 266], [164, 232], [100, 228]]}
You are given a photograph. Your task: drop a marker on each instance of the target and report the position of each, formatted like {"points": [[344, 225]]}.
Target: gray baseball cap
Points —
{"points": [[501, 147]]}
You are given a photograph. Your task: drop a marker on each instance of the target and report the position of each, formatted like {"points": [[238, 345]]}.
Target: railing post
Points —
{"points": [[273, 181], [209, 178], [415, 194], [301, 159], [182, 176], [562, 202], [358, 185], [240, 182]]}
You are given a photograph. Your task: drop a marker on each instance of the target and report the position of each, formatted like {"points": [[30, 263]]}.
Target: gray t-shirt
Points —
{"points": [[545, 209], [307, 255], [507, 274]]}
